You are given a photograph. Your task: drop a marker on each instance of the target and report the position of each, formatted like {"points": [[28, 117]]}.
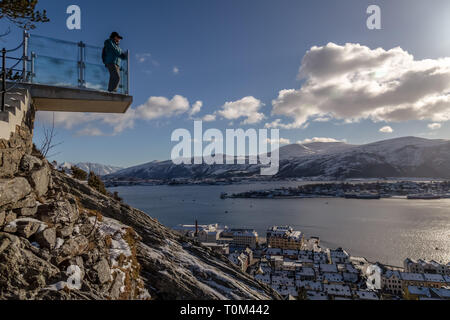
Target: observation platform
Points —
{"points": [[64, 76], [66, 99]]}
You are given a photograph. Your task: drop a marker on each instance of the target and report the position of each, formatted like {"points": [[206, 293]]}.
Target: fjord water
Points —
{"points": [[387, 230]]}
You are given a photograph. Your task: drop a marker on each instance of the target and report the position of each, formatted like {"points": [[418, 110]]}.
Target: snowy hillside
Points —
{"points": [[98, 169]]}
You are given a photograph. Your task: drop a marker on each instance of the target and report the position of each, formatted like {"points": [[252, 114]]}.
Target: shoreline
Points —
{"points": [[250, 180], [332, 198]]}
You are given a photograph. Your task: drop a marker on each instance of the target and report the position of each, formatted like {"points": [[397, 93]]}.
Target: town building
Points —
{"points": [[423, 280], [209, 235], [316, 296], [423, 266], [399, 283], [204, 233], [242, 258], [263, 277], [239, 259], [276, 262], [329, 268], [366, 295], [242, 237], [305, 274], [441, 293], [416, 293], [337, 291], [285, 238], [339, 256], [391, 283]]}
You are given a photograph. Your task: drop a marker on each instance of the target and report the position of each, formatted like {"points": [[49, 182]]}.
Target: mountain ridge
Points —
{"points": [[398, 157]]}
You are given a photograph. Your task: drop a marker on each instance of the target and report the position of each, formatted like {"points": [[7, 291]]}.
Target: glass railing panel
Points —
{"points": [[65, 63], [124, 81], [53, 48], [93, 54], [96, 77], [55, 71]]}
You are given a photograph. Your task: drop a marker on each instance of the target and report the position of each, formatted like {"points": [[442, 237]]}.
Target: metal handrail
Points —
{"points": [[15, 49], [3, 78], [7, 72]]}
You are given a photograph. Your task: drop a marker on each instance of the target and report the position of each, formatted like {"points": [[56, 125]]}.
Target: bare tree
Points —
{"points": [[22, 13], [48, 143]]}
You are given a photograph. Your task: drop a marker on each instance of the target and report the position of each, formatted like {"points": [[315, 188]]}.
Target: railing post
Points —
{"points": [[128, 72], [3, 78], [25, 55], [81, 65], [33, 57]]}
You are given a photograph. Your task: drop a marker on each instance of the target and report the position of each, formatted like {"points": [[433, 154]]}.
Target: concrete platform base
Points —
{"points": [[61, 99]]}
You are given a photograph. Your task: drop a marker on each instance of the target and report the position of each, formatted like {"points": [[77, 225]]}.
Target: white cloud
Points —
{"points": [[324, 140], [70, 120], [176, 70], [281, 141], [247, 108], [322, 119], [161, 107], [92, 132], [196, 108], [353, 82], [434, 126], [279, 124], [145, 57], [209, 118], [387, 129], [120, 122]]}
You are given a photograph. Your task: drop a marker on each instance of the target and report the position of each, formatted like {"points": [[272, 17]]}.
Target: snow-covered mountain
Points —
{"points": [[293, 151], [98, 169], [401, 157]]}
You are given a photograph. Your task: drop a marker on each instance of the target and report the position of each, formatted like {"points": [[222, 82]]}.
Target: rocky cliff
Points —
{"points": [[60, 239]]}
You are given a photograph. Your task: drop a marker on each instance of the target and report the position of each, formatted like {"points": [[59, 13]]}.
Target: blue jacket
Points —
{"points": [[113, 53]]}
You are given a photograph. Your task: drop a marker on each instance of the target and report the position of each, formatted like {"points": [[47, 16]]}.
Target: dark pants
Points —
{"points": [[114, 78]]}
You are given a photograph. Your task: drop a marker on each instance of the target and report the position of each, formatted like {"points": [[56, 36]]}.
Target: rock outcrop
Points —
{"points": [[60, 240]]}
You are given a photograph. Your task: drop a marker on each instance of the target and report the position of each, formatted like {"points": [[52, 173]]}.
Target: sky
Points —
{"points": [[309, 68]]}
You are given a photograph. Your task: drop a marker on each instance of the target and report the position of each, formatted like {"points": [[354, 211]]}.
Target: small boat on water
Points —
{"points": [[428, 196], [369, 196], [363, 196]]}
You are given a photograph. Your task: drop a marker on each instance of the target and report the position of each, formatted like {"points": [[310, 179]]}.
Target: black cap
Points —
{"points": [[114, 35]]}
